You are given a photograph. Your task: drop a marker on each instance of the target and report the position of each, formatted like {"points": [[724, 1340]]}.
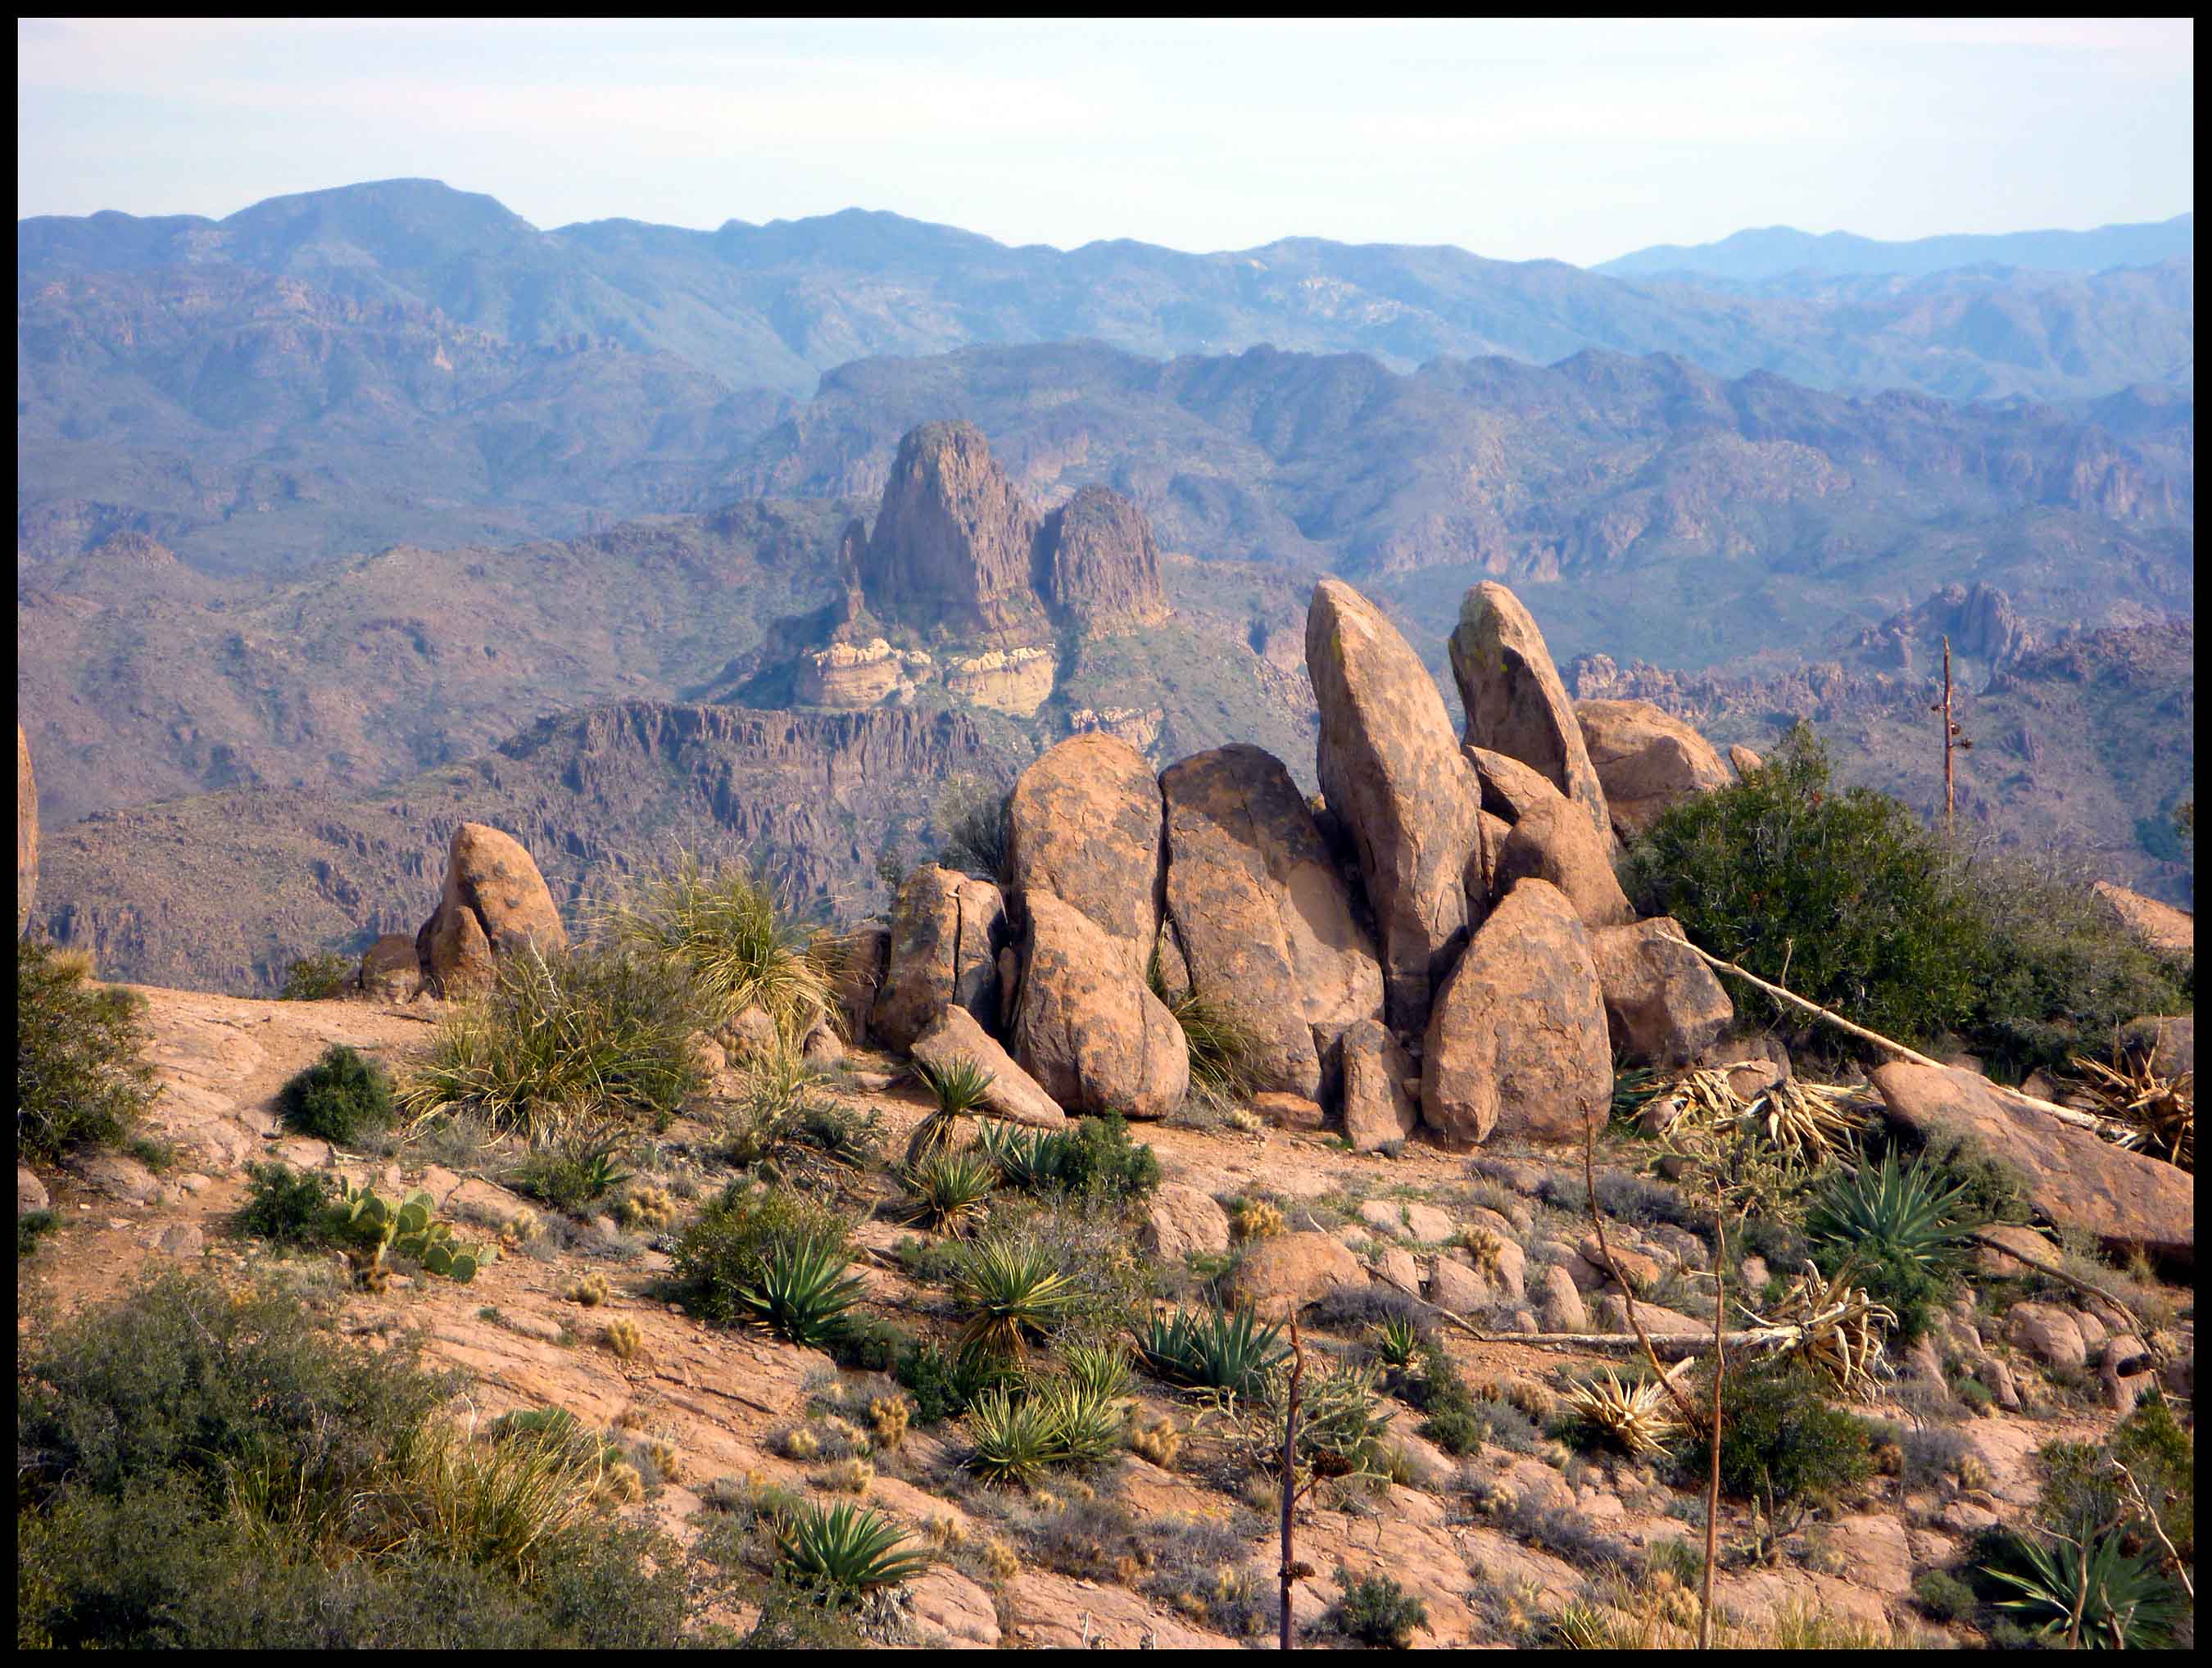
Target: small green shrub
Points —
{"points": [[1377, 1611], [1975, 1397], [1781, 1443], [1095, 1159], [339, 1099], [782, 1127], [843, 1552], [2080, 1488], [724, 1259], [32, 1226], [1945, 1597], [317, 978], [945, 1383], [285, 1206], [80, 1079], [579, 1164], [1213, 1350]]}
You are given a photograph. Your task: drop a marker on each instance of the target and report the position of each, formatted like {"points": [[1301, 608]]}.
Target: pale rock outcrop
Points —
{"points": [[945, 932], [1510, 790], [954, 1036], [27, 833], [495, 904], [1087, 1028], [1378, 1110], [1517, 1040], [1482, 881], [30, 1192], [1743, 761], [1558, 1304], [1646, 759], [1393, 775], [1083, 824], [2159, 927], [2047, 1332], [1515, 704], [1264, 921], [1663, 1004], [849, 675], [1014, 681]]}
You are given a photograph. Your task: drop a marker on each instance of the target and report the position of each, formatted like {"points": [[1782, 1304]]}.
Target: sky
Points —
{"points": [[1519, 141]]}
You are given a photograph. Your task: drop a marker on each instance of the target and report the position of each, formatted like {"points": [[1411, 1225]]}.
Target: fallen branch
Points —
{"points": [[2066, 1114], [1628, 1292], [1681, 1347], [1981, 1238]]}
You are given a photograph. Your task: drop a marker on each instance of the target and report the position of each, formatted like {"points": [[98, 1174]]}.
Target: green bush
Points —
{"points": [[581, 1163], [944, 1383], [1782, 1443], [317, 978], [32, 1226], [339, 1099], [584, 1029], [1093, 1159], [2080, 1488], [1377, 1611], [1945, 1597], [80, 1080], [285, 1206], [1901, 1228], [746, 1242]]}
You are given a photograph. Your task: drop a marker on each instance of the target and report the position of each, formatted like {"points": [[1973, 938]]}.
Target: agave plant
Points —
{"points": [[2087, 1593], [1804, 1121], [1903, 1210], [949, 1188], [802, 1291], [1101, 1368], [1633, 1416], [845, 1551], [1014, 1291], [1835, 1326], [1225, 1349], [1019, 1155], [958, 1088], [1396, 1343]]}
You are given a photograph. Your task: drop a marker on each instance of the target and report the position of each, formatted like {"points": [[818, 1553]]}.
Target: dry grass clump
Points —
{"points": [[2153, 1113], [850, 1476], [1632, 1416], [667, 1461], [725, 931]]}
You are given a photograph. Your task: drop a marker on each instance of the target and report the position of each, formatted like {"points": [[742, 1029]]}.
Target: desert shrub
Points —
{"points": [[1781, 1444], [723, 936], [970, 825], [580, 1161], [765, 1254], [339, 1099], [1377, 1611], [1094, 1158], [1945, 1597], [782, 1126], [213, 1468], [945, 1383], [80, 1080], [317, 978], [31, 1227], [585, 1028], [2080, 1488], [284, 1206], [1901, 1228]]}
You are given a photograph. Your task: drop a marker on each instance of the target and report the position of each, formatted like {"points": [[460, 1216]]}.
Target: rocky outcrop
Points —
{"points": [[1263, 919], [954, 543], [1393, 777], [1378, 1108], [1183, 1219], [858, 960], [849, 675], [953, 1035], [946, 930], [1518, 1042], [1083, 824], [1097, 564], [1515, 704], [2158, 927], [1510, 790], [27, 833], [1646, 760], [1085, 1027], [1016, 681], [1743, 761], [1663, 1004], [2128, 1202], [389, 970], [1555, 843], [1286, 1272], [494, 905]]}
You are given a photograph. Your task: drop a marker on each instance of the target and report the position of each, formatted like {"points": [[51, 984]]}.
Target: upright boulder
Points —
{"points": [[1647, 760], [1663, 1004], [1098, 565], [1378, 1108], [1554, 842], [1085, 1028], [493, 903], [858, 960], [1510, 790], [945, 934], [27, 833], [1393, 777], [1517, 1042], [954, 543], [1264, 920], [1085, 826], [1515, 704]]}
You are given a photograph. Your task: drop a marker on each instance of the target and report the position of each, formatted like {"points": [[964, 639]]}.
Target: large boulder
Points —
{"points": [[857, 960], [1377, 1109], [1086, 1026], [1262, 916], [945, 933], [1287, 1271], [2128, 1202], [1517, 1042], [2165, 1042], [1183, 1219], [2158, 927], [1083, 824], [1393, 775], [1647, 760], [27, 833], [1554, 842], [390, 971], [1663, 1004], [493, 903], [953, 1036], [1515, 704], [1510, 790]]}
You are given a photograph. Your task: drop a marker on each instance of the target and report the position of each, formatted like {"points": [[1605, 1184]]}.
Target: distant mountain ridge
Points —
{"points": [[1773, 252]]}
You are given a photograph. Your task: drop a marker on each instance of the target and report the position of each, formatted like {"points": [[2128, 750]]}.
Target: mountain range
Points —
{"points": [[1774, 251]]}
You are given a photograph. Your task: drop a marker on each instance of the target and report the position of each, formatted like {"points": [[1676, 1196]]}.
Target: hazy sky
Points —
{"points": [[1516, 140]]}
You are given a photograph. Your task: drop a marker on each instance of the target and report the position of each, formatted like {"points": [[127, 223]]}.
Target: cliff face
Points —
{"points": [[221, 890], [1097, 564], [953, 542]]}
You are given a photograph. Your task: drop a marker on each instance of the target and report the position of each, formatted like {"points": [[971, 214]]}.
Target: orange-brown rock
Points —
{"points": [[1646, 759], [1263, 919], [954, 543], [1663, 1004], [494, 905], [1555, 841], [1517, 1042], [1509, 787], [1085, 1027], [1743, 761], [1083, 824], [945, 933], [390, 969], [1098, 565], [1515, 704], [27, 833], [2158, 927], [1287, 1271], [954, 1036], [1393, 775], [1378, 1110]]}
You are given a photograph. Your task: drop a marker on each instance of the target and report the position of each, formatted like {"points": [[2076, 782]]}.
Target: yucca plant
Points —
{"points": [[1019, 1155], [1396, 1343], [1103, 1369], [1837, 1328], [724, 930], [949, 1190], [2087, 1594], [1223, 1349], [1634, 1417], [1088, 1422], [844, 1552], [1014, 1437], [1013, 1290], [1906, 1211], [803, 1292], [958, 1088]]}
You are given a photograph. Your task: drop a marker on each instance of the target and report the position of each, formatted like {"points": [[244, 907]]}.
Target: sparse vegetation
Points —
{"points": [[1782, 1445], [81, 1078], [339, 1099], [970, 823], [723, 934], [1094, 1158], [782, 1127], [756, 1254], [580, 1162], [318, 978], [285, 1206]]}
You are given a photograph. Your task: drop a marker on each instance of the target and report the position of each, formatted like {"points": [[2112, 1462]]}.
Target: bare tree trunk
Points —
{"points": [[1720, 1367], [1628, 1297], [1290, 1472]]}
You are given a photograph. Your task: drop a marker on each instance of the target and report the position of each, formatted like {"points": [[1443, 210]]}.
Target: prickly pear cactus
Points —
{"points": [[378, 1227]]}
